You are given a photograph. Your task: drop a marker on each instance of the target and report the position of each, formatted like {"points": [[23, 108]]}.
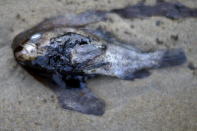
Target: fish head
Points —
{"points": [[32, 47]]}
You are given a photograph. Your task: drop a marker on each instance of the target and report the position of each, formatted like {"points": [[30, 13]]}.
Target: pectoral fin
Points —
{"points": [[140, 74], [81, 100], [74, 95]]}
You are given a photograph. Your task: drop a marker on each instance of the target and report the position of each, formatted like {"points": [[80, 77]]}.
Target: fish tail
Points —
{"points": [[172, 57]]}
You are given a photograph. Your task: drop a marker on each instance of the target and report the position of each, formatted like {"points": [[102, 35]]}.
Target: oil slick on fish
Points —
{"points": [[64, 55]]}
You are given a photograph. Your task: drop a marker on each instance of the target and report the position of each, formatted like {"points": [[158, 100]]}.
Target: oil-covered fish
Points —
{"points": [[62, 53]]}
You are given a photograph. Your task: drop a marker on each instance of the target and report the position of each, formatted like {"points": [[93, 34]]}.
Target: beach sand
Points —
{"points": [[166, 100]]}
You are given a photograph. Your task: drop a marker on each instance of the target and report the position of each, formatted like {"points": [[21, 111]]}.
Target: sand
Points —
{"points": [[167, 100]]}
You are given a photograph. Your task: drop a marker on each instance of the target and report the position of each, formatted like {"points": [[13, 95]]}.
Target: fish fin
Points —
{"points": [[141, 74], [136, 75], [172, 57], [86, 53], [109, 37], [73, 94], [81, 100], [101, 33], [126, 76], [74, 20], [171, 10], [57, 79]]}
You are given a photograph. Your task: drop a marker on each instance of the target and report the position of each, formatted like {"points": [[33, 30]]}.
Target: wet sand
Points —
{"points": [[166, 100]]}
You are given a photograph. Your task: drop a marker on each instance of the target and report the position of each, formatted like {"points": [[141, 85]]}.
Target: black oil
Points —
{"points": [[57, 57]]}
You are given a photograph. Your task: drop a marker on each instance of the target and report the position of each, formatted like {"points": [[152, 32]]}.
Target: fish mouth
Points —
{"points": [[25, 52]]}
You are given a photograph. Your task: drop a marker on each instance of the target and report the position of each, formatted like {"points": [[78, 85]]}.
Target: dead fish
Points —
{"points": [[61, 53]]}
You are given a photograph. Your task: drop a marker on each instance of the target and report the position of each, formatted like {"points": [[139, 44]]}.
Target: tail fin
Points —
{"points": [[172, 57]]}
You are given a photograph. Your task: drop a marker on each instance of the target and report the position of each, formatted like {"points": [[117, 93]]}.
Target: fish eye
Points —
{"points": [[35, 37]]}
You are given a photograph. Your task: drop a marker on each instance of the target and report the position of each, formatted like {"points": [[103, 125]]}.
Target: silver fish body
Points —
{"points": [[81, 52]]}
